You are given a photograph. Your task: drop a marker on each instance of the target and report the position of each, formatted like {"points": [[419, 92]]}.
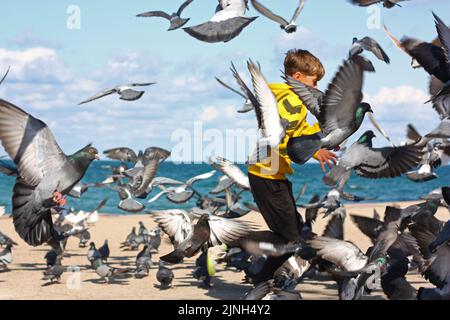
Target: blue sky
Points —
{"points": [[54, 68]]}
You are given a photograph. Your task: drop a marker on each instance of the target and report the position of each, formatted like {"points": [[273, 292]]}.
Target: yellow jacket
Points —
{"points": [[291, 108]]}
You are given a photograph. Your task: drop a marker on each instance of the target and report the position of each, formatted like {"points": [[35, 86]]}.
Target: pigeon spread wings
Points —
{"points": [[30, 143], [342, 97], [226, 230], [175, 223]]}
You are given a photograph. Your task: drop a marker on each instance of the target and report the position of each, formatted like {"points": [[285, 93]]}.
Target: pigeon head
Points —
{"points": [[92, 245], [366, 107], [85, 155], [366, 138]]}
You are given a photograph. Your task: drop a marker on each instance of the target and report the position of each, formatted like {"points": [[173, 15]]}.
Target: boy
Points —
{"points": [[271, 190]]}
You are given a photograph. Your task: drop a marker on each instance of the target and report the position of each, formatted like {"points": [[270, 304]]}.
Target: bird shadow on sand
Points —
{"points": [[54, 283], [220, 289], [30, 267], [121, 282]]}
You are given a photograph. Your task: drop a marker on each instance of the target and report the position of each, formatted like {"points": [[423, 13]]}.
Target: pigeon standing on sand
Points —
{"points": [[225, 25], [106, 272], [129, 237], [46, 173], [126, 92], [143, 263], [54, 272], [104, 251], [175, 19], [288, 26], [164, 276], [93, 254], [155, 240]]}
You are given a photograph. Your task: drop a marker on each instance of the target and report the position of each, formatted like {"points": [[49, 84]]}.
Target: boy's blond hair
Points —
{"points": [[303, 61]]}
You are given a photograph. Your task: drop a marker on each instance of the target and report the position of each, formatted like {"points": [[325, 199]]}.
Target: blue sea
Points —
{"points": [[399, 189]]}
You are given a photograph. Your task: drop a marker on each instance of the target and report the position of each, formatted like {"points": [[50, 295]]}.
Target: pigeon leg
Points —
{"points": [[59, 199]]}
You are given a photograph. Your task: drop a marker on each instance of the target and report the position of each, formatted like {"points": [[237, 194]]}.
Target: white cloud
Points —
{"points": [[34, 65], [209, 114]]}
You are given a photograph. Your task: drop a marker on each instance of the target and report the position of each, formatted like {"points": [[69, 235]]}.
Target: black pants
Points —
{"points": [[277, 205]]}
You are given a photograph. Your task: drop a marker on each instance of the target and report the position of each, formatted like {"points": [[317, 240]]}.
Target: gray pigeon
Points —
{"points": [[93, 254], [122, 154], [164, 276], [368, 44], [436, 270], [442, 131], [440, 103], [225, 25], [46, 173], [175, 18], [386, 3], [5, 240], [106, 272], [130, 237], [248, 106], [54, 272], [442, 238], [340, 110], [145, 170], [288, 26], [143, 263], [6, 257], [374, 163], [104, 251], [155, 240], [126, 92]]}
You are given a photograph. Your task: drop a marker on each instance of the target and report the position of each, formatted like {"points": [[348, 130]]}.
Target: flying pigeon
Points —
{"points": [[225, 25], [368, 44], [374, 163], [175, 18], [386, 3], [288, 26], [126, 92], [46, 173], [340, 110]]}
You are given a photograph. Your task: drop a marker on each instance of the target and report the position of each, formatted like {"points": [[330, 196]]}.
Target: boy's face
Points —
{"points": [[305, 79]]}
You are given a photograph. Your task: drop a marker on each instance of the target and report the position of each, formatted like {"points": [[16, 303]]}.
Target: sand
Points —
{"points": [[23, 281]]}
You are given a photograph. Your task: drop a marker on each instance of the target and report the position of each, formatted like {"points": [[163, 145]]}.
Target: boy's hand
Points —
{"points": [[324, 156]]}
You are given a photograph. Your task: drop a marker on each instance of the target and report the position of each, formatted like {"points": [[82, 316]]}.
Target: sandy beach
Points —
{"points": [[23, 281]]}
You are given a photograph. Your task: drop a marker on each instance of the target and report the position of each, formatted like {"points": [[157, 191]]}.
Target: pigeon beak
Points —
{"points": [[97, 157], [370, 110]]}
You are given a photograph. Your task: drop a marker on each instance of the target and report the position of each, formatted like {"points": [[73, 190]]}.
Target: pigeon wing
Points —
{"points": [[343, 97], [389, 162], [29, 143], [269, 14], [160, 14], [99, 95]]}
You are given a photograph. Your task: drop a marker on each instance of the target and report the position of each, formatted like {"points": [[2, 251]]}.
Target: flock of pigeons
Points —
{"points": [[406, 239]]}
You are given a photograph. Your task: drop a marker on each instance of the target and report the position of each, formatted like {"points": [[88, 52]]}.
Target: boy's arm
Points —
{"points": [[292, 105]]}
